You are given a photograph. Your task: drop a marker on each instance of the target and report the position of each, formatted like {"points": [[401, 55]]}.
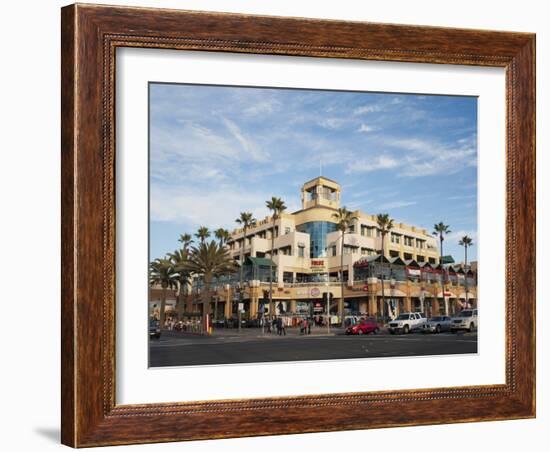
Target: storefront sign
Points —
{"points": [[413, 272], [318, 266], [315, 292]]}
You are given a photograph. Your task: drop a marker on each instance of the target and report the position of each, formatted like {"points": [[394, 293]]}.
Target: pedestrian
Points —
{"points": [[274, 323], [283, 327], [309, 327]]}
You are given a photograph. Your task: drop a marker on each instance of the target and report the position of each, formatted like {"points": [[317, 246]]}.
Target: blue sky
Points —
{"points": [[216, 151]]}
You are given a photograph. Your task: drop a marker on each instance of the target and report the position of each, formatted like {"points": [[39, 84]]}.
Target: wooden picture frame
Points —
{"points": [[90, 36]]}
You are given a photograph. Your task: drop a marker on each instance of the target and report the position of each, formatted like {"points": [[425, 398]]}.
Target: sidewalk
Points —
{"points": [[223, 333]]}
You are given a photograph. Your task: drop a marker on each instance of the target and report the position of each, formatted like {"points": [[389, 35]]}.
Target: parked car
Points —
{"points": [[466, 320], [437, 324], [407, 322], [154, 329], [364, 326]]}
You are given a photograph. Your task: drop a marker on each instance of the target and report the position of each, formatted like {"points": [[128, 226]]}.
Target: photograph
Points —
{"points": [[294, 224]]}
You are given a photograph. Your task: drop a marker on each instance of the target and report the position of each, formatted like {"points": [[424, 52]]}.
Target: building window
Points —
{"points": [[378, 232], [351, 228], [287, 230], [419, 243], [317, 231], [408, 241], [333, 250], [395, 238], [301, 251]]}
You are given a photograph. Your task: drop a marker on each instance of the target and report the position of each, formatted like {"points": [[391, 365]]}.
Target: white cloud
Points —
{"points": [[397, 204], [364, 128], [369, 108], [428, 158], [380, 162], [217, 208], [249, 146], [332, 123], [261, 107]]}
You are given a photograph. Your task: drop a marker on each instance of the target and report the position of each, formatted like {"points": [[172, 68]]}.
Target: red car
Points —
{"points": [[365, 326]]}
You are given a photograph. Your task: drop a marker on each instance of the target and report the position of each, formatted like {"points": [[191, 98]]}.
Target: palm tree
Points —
{"points": [[441, 229], [222, 235], [178, 259], [385, 224], [185, 240], [246, 220], [202, 233], [343, 218], [209, 260], [161, 272], [466, 242], [277, 207]]}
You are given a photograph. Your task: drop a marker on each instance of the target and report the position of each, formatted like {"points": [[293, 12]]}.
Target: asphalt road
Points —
{"points": [[199, 350]]}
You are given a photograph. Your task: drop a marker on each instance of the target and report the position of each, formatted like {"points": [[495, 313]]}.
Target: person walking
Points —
{"points": [[309, 322]]}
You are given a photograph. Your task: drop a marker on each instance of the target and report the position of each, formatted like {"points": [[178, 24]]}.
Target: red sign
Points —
{"points": [[365, 288]]}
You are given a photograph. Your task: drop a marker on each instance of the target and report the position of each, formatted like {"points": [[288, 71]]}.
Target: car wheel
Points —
{"points": [[375, 331], [437, 329], [359, 331], [392, 332], [406, 329], [471, 328]]}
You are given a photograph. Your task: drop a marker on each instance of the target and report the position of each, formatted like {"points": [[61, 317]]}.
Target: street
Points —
{"points": [[250, 346]]}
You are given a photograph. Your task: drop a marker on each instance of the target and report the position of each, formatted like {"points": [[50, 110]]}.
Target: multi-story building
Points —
{"points": [[308, 244], [307, 263]]}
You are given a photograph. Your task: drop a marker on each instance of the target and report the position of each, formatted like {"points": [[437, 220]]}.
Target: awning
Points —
{"points": [[259, 262], [447, 260]]}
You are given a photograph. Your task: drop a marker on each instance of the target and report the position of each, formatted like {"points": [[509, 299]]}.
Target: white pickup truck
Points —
{"points": [[407, 322], [466, 320]]}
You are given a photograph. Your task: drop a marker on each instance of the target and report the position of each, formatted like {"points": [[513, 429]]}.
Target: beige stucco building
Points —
{"points": [[307, 258], [307, 242]]}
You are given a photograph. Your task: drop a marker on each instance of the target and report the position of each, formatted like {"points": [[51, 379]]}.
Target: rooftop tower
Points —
{"points": [[321, 192]]}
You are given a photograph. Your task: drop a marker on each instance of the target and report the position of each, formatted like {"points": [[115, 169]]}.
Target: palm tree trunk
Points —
{"points": [[341, 304], [442, 284], [466, 274], [384, 307], [162, 308], [271, 271], [206, 298], [180, 302], [241, 273]]}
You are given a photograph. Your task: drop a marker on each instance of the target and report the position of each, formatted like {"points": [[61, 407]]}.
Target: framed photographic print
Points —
{"points": [[281, 225]]}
